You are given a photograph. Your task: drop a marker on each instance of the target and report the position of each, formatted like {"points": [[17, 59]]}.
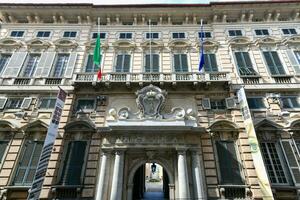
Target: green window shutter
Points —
{"points": [[228, 162], [270, 63], [126, 63], [184, 63], [206, 63], [247, 59], [33, 162], [74, 163], [3, 146], [177, 63], [119, 63], [213, 62], [90, 63], [147, 63], [277, 62], [294, 58], [292, 161], [239, 60], [155, 63]]}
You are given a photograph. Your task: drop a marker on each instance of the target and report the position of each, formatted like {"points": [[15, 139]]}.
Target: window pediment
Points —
{"points": [[35, 126], [179, 43], [80, 126], [223, 125], [38, 43], [65, 43], [10, 43], [92, 44], [6, 125], [208, 44], [154, 44], [293, 40], [124, 44], [240, 41], [268, 125], [268, 40]]}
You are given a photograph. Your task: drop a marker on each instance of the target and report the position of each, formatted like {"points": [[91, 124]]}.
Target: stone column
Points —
{"points": [[117, 181], [198, 182], [183, 181], [101, 181]]}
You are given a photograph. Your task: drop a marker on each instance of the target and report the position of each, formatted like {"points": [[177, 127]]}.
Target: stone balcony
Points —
{"points": [[25, 81], [173, 78]]}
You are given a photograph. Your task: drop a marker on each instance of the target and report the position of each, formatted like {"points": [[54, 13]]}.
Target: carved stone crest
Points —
{"points": [[150, 101]]}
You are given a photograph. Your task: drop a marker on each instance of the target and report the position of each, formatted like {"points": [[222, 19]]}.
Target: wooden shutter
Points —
{"points": [[247, 60], [213, 62], [89, 64], [177, 67], [14, 65], [126, 66], [278, 63], [292, 161], [206, 104], [206, 63], [71, 65], [26, 103], [3, 145], [155, 63], [34, 161], [239, 60], [3, 101], [147, 63], [228, 163], [75, 159], [45, 64], [119, 63], [184, 63], [293, 60]]}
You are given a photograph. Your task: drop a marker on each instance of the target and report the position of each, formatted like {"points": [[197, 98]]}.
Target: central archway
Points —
{"points": [[168, 177]]}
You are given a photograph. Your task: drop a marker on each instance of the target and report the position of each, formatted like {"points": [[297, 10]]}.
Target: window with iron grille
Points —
{"points": [[69, 34], [60, 65], [256, 103], [244, 64], [289, 31], [273, 61], [152, 63], [229, 164], [17, 33], [178, 35], [180, 63], [273, 163], [28, 162], [123, 63], [14, 103], [218, 104], [4, 58], [90, 65], [30, 65], [210, 63], [125, 36], [43, 34], [290, 102], [73, 163], [47, 103], [235, 33]]}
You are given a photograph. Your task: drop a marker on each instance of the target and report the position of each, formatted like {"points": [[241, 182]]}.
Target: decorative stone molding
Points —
{"points": [[208, 44], [65, 43], [293, 41], [179, 44], [240, 42], [91, 45], [154, 44], [9, 43], [38, 44], [267, 41], [124, 44]]}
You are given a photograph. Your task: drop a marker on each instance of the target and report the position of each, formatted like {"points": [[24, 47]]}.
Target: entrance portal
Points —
{"points": [[150, 182]]}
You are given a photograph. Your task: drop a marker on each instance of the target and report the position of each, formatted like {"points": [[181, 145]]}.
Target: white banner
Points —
{"points": [[254, 147], [36, 187]]}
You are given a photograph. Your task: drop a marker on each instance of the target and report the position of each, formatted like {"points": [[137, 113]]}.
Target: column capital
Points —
{"points": [[196, 151], [181, 150], [119, 151]]}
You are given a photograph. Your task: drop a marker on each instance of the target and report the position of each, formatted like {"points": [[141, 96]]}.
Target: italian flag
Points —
{"points": [[97, 56]]}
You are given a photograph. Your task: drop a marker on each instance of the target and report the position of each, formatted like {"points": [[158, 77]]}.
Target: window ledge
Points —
{"points": [[234, 186], [282, 75], [250, 76], [67, 186], [258, 109], [18, 187]]}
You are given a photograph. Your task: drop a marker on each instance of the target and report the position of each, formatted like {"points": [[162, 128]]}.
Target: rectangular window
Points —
{"points": [[178, 35], [273, 163], [289, 31], [73, 163], [152, 65], [256, 103], [28, 162], [244, 64], [70, 34], [60, 65], [85, 104], [14, 103], [90, 65], [180, 63], [102, 35], [30, 65], [43, 34], [230, 167], [152, 35], [127, 23], [17, 34], [3, 146], [210, 63], [125, 36], [47, 103], [273, 62], [4, 58], [290, 102], [123, 63], [261, 32], [204, 34], [235, 33], [219, 104]]}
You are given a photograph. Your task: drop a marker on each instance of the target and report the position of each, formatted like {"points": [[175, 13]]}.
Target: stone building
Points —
{"points": [[152, 105]]}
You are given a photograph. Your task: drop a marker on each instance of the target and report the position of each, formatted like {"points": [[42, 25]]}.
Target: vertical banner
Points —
{"points": [[255, 151], [35, 190]]}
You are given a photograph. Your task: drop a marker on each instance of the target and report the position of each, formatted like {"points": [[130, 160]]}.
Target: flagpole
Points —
{"points": [[98, 27], [201, 61], [150, 45]]}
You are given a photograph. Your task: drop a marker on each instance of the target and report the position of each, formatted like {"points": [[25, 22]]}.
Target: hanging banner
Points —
{"points": [[36, 187], [255, 151]]}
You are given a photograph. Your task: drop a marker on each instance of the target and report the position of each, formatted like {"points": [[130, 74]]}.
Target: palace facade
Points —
{"points": [[152, 105]]}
